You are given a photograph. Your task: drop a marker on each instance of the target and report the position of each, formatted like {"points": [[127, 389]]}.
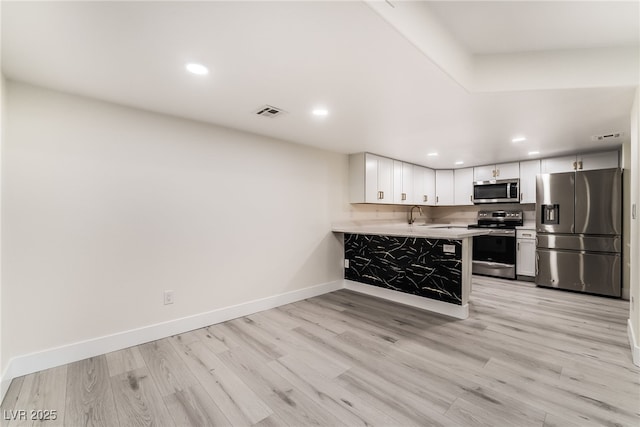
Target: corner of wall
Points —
{"points": [[3, 122], [634, 230], [635, 349]]}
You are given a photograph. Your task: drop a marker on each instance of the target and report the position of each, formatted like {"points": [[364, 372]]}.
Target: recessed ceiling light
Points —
{"points": [[320, 112], [432, 154], [519, 139], [198, 69], [533, 153], [459, 162]]}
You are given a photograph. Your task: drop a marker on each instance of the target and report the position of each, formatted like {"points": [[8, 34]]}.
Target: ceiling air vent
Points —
{"points": [[613, 135], [269, 111]]}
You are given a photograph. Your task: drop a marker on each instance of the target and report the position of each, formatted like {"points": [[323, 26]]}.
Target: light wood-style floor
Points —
{"points": [[526, 357]]}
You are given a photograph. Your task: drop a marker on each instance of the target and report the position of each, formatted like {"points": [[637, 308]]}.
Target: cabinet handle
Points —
{"points": [[575, 165], [425, 198], [404, 196], [380, 195], [520, 196], [471, 197], [580, 165], [493, 173], [518, 246], [497, 172], [537, 261], [437, 199], [526, 235]]}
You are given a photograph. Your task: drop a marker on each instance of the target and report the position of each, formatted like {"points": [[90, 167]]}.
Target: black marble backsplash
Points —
{"points": [[413, 265]]}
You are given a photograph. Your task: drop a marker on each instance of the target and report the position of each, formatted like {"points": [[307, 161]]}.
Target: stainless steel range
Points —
{"points": [[494, 254]]}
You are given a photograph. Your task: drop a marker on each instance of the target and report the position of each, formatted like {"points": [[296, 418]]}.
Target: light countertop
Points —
{"points": [[432, 231], [528, 225]]}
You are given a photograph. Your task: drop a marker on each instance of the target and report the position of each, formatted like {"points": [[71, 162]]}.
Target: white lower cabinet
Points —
{"points": [[526, 253]]}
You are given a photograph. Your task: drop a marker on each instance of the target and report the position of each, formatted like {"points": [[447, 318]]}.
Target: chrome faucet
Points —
{"points": [[411, 218]]}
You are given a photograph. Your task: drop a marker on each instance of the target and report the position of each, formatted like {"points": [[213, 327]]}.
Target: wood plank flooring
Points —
{"points": [[525, 357]]}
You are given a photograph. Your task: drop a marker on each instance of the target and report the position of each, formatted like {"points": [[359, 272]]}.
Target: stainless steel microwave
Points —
{"points": [[496, 191]]}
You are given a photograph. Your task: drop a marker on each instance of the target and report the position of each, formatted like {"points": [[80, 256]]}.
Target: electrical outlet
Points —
{"points": [[346, 263], [168, 297]]}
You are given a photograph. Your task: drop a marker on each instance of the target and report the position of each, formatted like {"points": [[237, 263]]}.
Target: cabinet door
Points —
{"points": [[407, 197], [508, 171], [430, 186], [463, 186], [484, 173], [606, 160], [419, 185], [402, 183], [370, 178], [397, 182], [444, 187], [385, 180], [526, 257], [557, 164], [528, 172]]}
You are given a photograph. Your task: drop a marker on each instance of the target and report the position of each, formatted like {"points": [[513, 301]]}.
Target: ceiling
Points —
{"points": [[389, 88], [514, 26]]}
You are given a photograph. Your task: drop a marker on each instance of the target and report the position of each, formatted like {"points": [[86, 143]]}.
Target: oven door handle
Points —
{"points": [[511, 233]]}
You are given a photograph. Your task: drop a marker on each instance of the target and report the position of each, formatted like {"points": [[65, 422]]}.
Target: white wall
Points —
{"points": [[2, 131], [104, 207], [634, 307], [3, 122], [626, 220]]}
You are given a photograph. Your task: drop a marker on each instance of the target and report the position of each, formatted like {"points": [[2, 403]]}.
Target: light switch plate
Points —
{"points": [[346, 263], [449, 249]]}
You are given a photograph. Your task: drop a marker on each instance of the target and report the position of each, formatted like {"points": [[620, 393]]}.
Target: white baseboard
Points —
{"points": [[45, 359], [453, 310], [635, 349]]}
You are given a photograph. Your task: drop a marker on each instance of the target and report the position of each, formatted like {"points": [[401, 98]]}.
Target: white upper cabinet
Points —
{"points": [[558, 164], [402, 183], [370, 179], [528, 172], [592, 161], [430, 185], [424, 186], [377, 179], [444, 187], [508, 170], [484, 173], [498, 171], [463, 186]]}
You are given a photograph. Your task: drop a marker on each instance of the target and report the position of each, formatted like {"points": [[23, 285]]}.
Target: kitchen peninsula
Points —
{"points": [[425, 266]]}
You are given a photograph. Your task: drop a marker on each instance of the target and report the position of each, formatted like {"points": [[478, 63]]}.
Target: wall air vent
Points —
{"points": [[269, 111], [612, 135]]}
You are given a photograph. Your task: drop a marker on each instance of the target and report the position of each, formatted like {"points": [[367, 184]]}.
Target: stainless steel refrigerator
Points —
{"points": [[579, 227]]}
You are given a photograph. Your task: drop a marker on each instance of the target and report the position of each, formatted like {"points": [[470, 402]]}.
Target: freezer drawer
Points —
{"points": [[590, 272], [579, 242]]}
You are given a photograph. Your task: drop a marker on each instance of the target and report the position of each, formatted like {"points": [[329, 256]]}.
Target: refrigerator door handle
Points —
{"points": [[537, 261]]}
